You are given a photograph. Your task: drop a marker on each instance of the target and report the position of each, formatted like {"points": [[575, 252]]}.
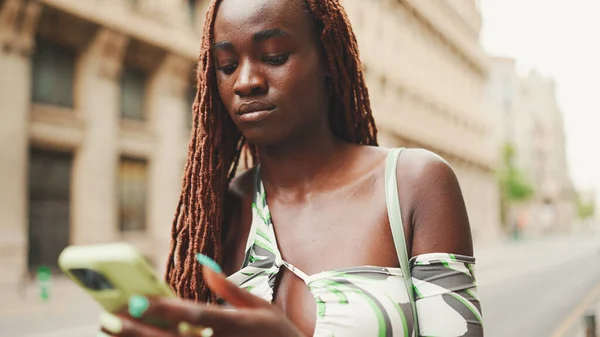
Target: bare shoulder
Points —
{"points": [[420, 166], [438, 214]]}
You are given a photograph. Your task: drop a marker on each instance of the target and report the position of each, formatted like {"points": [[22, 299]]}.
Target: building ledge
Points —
{"points": [[117, 16], [135, 139], [55, 127], [439, 22]]}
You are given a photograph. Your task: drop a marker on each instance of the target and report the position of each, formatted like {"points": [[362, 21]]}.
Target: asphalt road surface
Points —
{"points": [[538, 294]]}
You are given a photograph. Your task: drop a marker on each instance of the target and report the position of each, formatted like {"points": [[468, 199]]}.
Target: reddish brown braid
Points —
{"points": [[216, 145]]}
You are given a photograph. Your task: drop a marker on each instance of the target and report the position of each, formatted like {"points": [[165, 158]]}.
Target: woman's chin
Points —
{"points": [[265, 138]]}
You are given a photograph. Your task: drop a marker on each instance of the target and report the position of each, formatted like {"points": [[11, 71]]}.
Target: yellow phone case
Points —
{"points": [[111, 273]]}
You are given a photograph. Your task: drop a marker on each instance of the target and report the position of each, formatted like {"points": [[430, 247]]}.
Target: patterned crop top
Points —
{"points": [[367, 301]]}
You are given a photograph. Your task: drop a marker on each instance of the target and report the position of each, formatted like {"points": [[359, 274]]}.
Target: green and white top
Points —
{"points": [[370, 300]]}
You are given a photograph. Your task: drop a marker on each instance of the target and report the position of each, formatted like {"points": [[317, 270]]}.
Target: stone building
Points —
{"points": [[94, 113], [94, 102], [528, 117]]}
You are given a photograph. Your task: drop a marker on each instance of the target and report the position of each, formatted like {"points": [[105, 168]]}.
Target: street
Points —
{"points": [[536, 287], [528, 289]]}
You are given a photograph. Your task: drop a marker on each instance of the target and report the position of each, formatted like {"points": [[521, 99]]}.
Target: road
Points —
{"points": [[527, 289], [536, 287]]}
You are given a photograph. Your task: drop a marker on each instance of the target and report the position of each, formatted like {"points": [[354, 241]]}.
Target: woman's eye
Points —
{"points": [[276, 60], [228, 69]]}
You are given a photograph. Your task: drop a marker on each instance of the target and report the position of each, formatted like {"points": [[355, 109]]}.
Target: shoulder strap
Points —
{"points": [[395, 218]]}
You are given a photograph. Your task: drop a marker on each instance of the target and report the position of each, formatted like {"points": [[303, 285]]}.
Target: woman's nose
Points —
{"points": [[249, 81]]}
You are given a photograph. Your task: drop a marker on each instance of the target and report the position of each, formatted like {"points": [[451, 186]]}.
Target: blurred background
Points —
{"points": [[95, 113]]}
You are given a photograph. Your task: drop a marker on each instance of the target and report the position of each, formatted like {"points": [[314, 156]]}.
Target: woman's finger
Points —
{"points": [[173, 311], [225, 289], [120, 327]]}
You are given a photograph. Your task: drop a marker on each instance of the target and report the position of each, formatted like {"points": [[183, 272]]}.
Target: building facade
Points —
{"points": [[95, 99], [95, 102], [528, 116]]}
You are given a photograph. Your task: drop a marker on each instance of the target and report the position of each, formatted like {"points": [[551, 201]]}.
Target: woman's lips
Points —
{"points": [[255, 116], [254, 111]]}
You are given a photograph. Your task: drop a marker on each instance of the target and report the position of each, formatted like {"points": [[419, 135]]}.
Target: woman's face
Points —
{"points": [[270, 69]]}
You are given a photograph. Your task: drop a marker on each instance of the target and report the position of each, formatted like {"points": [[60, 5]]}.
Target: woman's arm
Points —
{"points": [[442, 266]]}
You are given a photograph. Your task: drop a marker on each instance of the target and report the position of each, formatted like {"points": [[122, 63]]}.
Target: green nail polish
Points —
{"points": [[210, 263], [102, 334], [138, 305]]}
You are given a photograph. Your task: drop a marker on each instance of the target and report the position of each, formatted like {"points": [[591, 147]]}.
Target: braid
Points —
{"points": [[216, 145], [351, 118]]}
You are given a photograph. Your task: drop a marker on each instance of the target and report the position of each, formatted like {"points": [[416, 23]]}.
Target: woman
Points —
{"points": [[310, 238]]}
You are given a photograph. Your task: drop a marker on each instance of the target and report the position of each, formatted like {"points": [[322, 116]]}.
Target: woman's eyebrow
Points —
{"points": [[222, 45], [268, 34], [257, 37]]}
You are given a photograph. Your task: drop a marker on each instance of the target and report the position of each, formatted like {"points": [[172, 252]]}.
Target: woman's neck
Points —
{"points": [[305, 165]]}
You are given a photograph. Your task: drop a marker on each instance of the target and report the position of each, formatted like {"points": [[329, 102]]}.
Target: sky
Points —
{"points": [[561, 39]]}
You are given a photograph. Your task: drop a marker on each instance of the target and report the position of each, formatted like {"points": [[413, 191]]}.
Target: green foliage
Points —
{"points": [[518, 189], [585, 209], [514, 185]]}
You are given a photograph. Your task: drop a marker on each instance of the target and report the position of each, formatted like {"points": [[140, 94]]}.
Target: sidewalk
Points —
{"points": [[64, 295]]}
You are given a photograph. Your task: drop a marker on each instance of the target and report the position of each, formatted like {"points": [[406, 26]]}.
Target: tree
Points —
{"points": [[585, 208], [514, 186]]}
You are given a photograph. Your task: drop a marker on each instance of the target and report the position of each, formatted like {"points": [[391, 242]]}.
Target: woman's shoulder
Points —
{"points": [[430, 187], [422, 174], [417, 165]]}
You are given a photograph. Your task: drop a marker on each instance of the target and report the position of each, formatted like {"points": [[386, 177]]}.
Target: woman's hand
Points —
{"points": [[250, 315]]}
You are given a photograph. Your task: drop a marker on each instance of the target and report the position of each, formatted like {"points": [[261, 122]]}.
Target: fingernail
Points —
{"points": [[210, 263], [102, 334], [111, 323], [185, 328], [138, 305]]}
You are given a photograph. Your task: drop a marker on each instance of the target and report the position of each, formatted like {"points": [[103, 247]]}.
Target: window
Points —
{"points": [[52, 74], [49, 191], [132, 189], [133, 94], [193, 11]]}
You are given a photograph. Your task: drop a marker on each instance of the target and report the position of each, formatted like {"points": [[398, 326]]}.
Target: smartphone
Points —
{"points": [[111, 273]]}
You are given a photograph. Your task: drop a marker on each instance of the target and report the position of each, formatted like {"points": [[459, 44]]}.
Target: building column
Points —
{"points": [[168, 107], [18, 21], [94, 189]]}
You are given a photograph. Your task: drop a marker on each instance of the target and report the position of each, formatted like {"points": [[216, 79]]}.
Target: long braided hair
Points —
{"points": [[216, 145]]}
